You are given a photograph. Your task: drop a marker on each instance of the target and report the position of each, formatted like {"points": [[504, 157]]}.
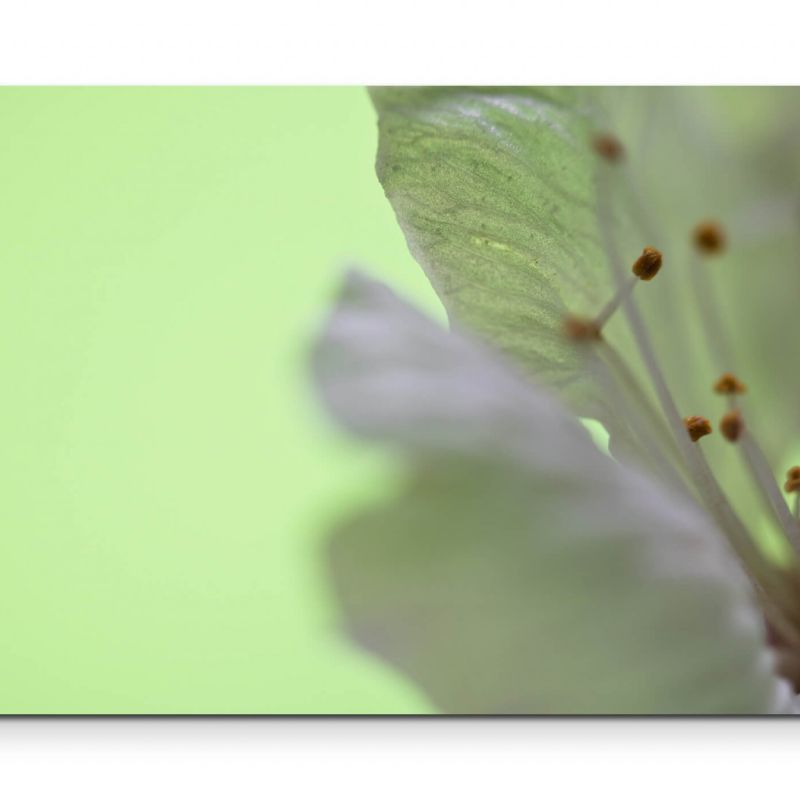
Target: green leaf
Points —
{"points": [[521, 570]]}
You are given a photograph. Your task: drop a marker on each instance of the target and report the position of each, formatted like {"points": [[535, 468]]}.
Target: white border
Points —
{"points": [[414, 41], [388, 759]]}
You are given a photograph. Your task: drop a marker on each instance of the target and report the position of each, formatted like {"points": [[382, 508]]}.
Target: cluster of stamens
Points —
{"points": [[772, 581], [731, 426], [708, 238]]}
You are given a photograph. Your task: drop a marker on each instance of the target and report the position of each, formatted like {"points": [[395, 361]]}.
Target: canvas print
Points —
{"points": [[401, 401]]}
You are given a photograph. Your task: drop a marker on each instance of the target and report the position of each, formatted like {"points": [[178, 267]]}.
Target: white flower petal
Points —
{"points": [[522, 571]]}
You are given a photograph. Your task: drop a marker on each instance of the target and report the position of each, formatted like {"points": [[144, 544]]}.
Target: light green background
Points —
{"points": [[167, 478]]}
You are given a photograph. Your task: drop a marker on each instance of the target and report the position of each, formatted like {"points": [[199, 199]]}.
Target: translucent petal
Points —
{"points": [[496, 191]]}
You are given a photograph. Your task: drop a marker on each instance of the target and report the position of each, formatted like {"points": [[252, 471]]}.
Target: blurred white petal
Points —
{"points": [[522, 571]]}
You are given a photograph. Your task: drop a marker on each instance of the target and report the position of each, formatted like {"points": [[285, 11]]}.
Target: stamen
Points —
{"points": [[792, 485], [762, 474], [648, 264], [645, 268], [614, 303], [731, 387], [697, 427], [792, 480], [732, 425], [733, 429], [729, 384], [581, 329], [709, 237], [630, 386], [608, 147]]}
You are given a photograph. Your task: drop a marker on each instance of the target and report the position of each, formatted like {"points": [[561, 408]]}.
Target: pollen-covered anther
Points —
{"points": [[648, 264], [732, 425], [581, 329], [608, 147], [697, 427], [729, 384], [709, 237], [792, 480]]}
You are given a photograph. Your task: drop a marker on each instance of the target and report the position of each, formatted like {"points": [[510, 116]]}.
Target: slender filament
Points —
{"points": [[717, 340], [759, 468], [614, 303], [634, 415]]}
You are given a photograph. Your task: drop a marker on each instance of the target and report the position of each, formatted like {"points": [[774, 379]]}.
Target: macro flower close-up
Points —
{"points": [[598, 509]]}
